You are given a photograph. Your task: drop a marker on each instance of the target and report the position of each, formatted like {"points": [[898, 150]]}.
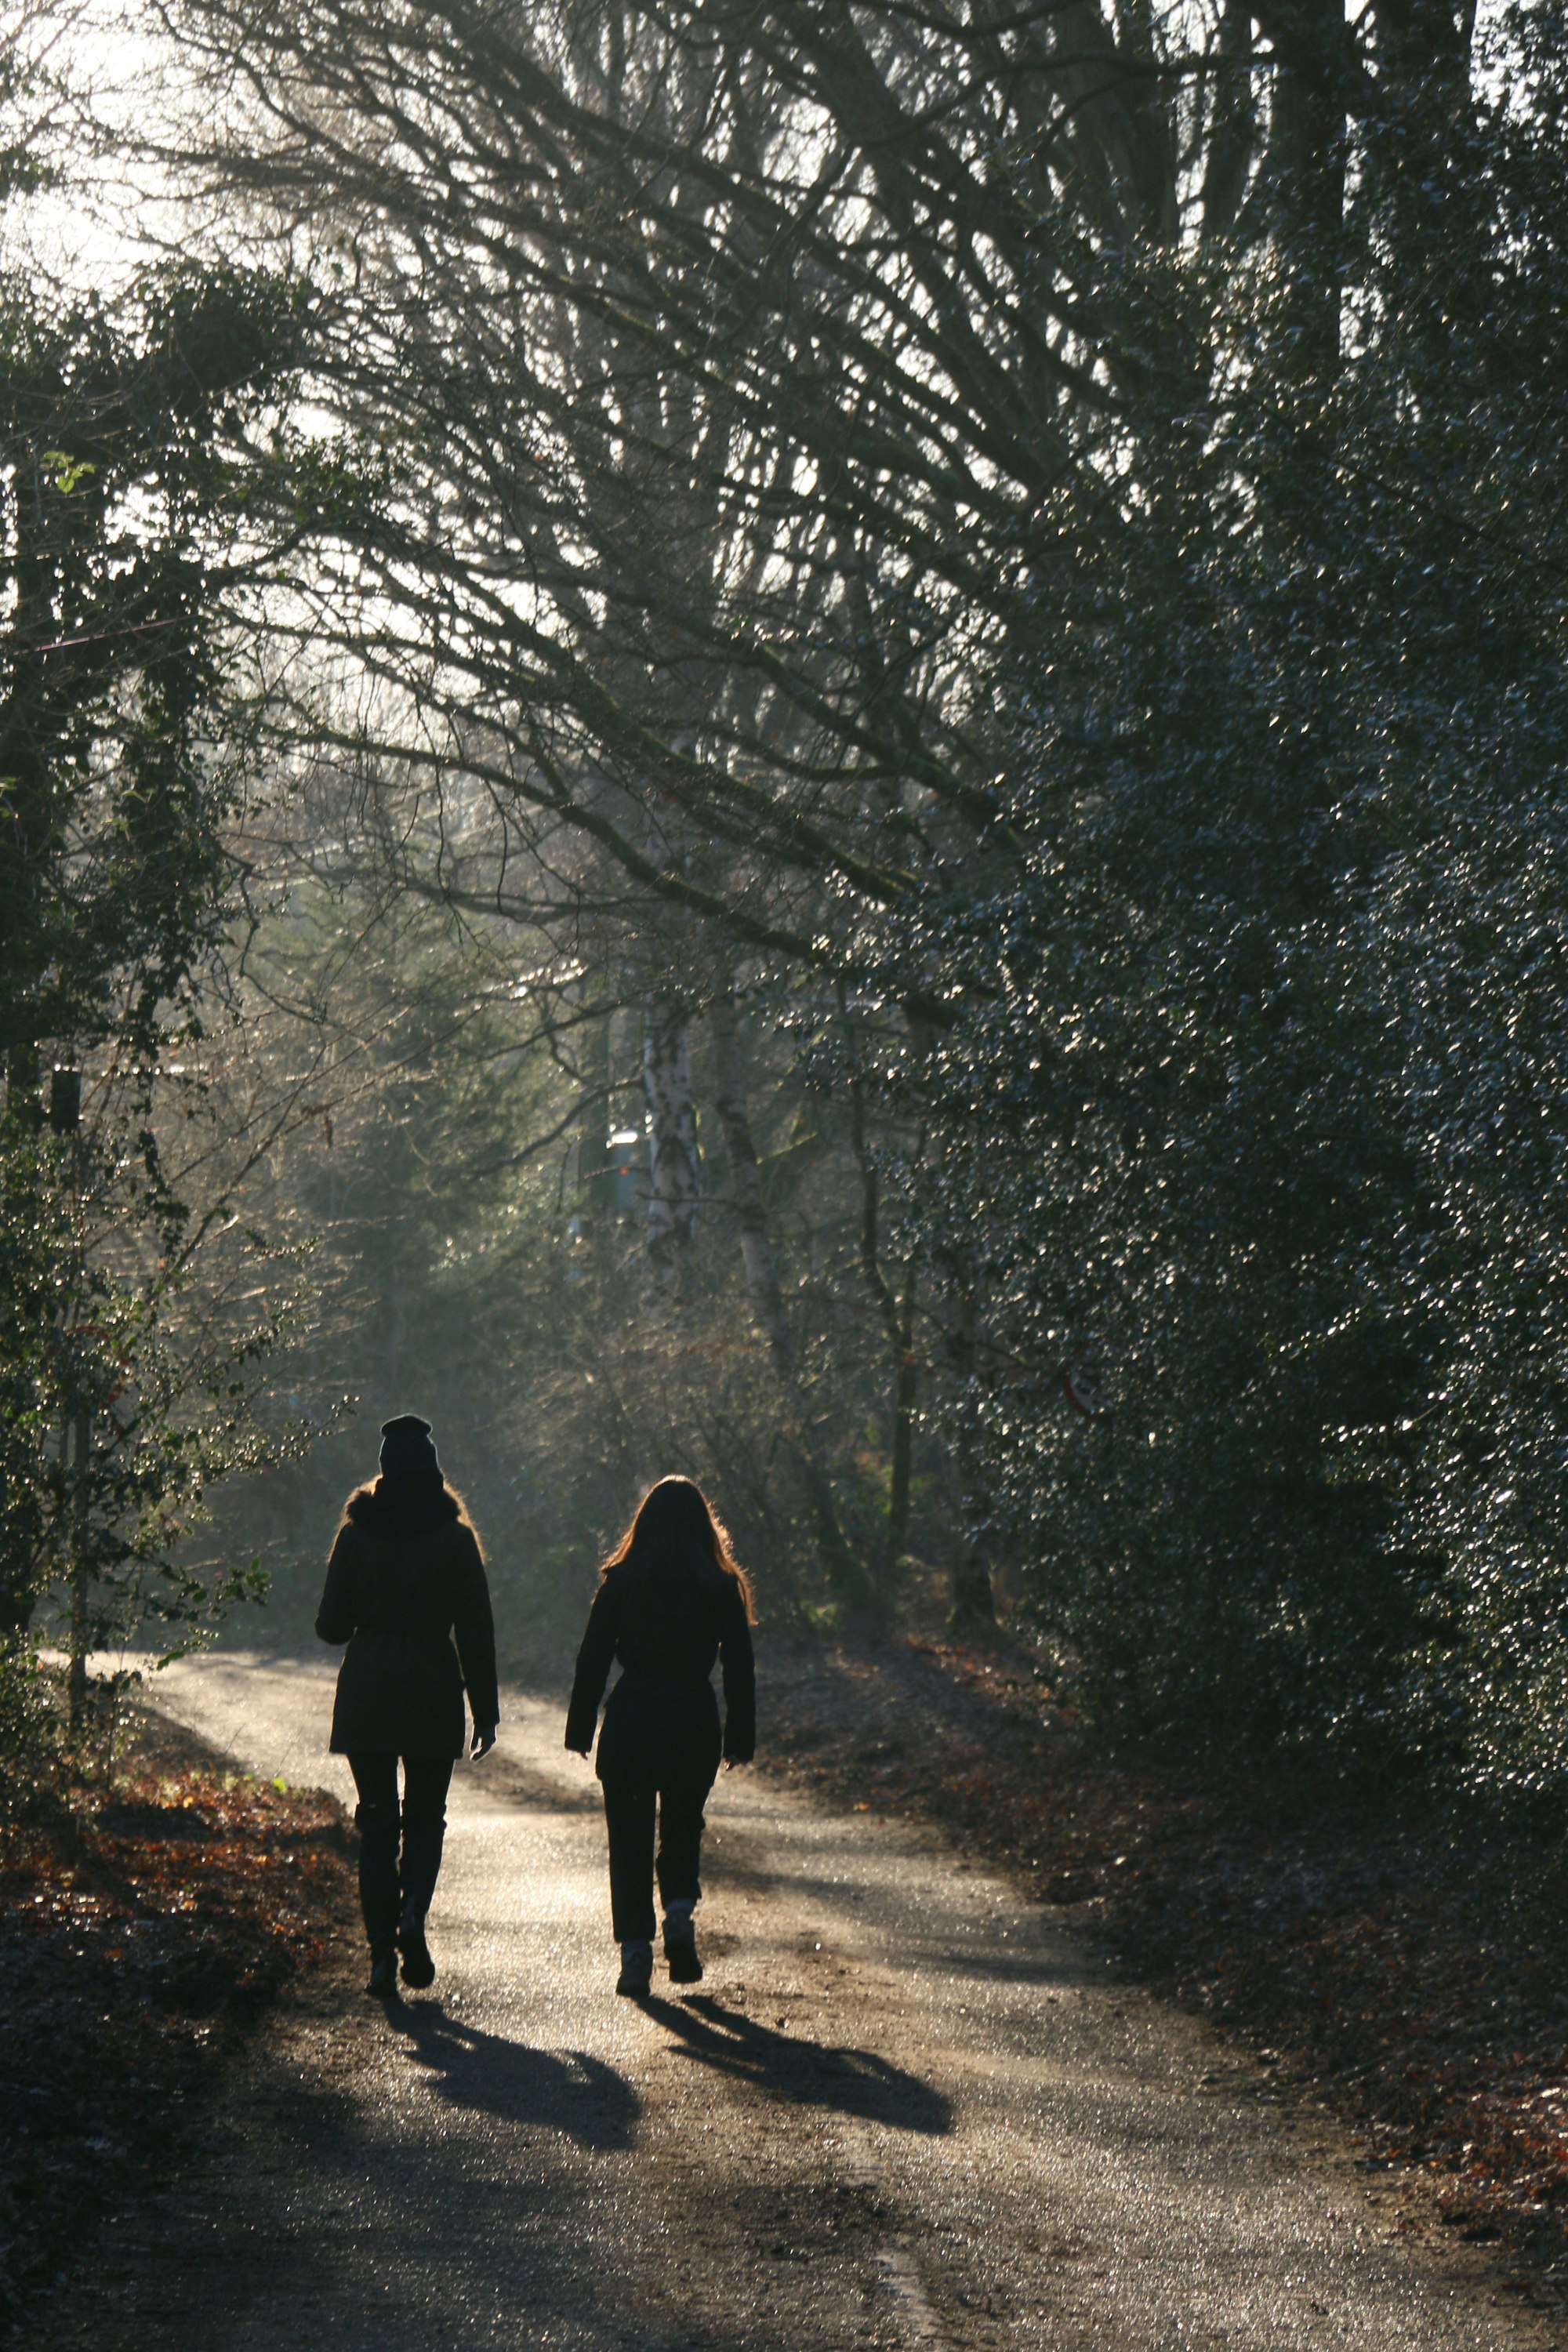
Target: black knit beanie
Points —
{"points": [[407, 1456]]}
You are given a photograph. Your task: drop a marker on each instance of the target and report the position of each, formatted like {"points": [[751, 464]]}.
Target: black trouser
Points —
{"points": [[388, 1883], [629, 1817]]}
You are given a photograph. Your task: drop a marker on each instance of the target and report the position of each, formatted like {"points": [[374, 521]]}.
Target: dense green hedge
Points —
{"points": [[1262, 1115]]}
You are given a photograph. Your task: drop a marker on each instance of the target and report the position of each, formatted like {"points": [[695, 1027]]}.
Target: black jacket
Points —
{"points": [[667, 1626], [404, 1577]]}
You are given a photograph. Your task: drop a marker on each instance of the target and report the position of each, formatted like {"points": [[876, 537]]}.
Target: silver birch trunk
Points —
{"points": [[757, 1257], [672, 1136], [767, 1295]]}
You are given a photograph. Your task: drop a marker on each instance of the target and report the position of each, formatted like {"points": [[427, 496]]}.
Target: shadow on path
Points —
{"points": [[815, 2074], [563, 2090]]}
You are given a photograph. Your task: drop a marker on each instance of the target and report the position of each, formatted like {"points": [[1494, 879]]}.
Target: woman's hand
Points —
{"points": [[484, 1739]]}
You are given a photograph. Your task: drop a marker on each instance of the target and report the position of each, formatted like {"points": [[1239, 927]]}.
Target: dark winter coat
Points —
{"points": [[668, 1626], [404, 1578]]}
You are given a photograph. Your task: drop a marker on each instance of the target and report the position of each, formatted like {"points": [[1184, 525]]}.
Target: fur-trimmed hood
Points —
{"points": [[394, 1510]]}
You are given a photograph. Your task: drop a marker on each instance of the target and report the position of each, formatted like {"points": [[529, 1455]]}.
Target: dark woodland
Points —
{"points": [[821, 745]]}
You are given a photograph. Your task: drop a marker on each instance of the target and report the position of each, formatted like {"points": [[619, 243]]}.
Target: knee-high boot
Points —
{"points": [[379, 1891], [422, 1842], [426, 1779]]}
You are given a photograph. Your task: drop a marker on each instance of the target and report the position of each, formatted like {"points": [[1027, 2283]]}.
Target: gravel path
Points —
{"points": [[904, 2110]]}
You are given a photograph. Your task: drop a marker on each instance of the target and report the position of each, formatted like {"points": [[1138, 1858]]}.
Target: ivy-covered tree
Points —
{"points": [[116, 425]]}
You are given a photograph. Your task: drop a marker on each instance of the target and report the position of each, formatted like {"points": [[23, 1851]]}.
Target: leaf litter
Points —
{"points": [[1401, 1964], [144, 1928]]}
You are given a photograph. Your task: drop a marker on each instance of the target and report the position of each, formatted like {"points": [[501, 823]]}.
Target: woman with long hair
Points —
{"points": [[671, 1601], [404, 1584]]}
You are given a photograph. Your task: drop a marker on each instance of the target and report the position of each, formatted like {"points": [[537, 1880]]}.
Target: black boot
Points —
{"points": [[378, 1892], [418, 1967], [681, 1944], [422, 1842], [635, 1979]]}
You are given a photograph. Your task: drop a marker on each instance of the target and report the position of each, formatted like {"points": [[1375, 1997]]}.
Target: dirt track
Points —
{"points": [[904, 2110]]}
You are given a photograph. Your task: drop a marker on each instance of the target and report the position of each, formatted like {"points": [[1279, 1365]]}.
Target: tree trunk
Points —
{"points": [[846, 1570], [750, 1211], [906, 1387], [672, 1137], [896, 1313], [593, 1128], [973, 1600], [80, 1618], [1439, 222], [1307, 156]]}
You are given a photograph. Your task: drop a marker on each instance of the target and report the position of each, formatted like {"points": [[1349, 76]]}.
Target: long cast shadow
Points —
{"points": [[815, 2074], [564, 2090]]}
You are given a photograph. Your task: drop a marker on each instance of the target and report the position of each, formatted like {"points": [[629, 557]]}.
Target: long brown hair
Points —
{"points": [[673, 1520]]}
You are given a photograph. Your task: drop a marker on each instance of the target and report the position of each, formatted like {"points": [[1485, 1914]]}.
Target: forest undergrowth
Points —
{"points": [[1403, 1966], [148, 1922]]}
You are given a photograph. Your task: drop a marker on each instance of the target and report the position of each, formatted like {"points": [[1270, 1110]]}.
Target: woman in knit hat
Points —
{"points": [[404, 1584]]}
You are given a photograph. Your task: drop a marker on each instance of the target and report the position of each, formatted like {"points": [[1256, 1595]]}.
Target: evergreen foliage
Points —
{"points": [[123, 1358], [1261, 1123]]}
